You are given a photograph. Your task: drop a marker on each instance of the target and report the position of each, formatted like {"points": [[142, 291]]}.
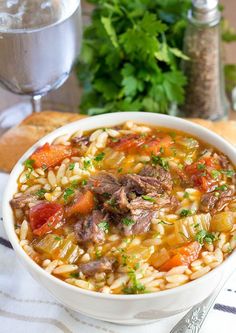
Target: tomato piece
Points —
{"points": [[50, 155], [154, 145], [45, 216], [183, 255], [129, 142], [83, 204]]}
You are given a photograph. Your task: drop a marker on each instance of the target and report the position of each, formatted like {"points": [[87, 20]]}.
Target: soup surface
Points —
{"points": [[126, 210]]}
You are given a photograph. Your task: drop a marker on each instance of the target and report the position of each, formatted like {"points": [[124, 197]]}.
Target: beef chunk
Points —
{"points": [[224, 162], [118, 203], [141, 185], [143, 211], [154, 201], [104, 183], [24, 200], [83, 140], [97, 266], [87, 229], [160, 174], [141, 222], [216, 201]]}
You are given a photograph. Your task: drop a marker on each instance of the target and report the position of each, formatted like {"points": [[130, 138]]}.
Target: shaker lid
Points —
{"points": [[205, 11]]}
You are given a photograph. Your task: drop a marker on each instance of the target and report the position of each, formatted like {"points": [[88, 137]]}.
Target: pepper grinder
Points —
{"points": [[205, 91]]}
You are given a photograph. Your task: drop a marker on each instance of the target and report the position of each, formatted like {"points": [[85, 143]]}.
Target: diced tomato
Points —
{"points": [[183, 255], [83, 204], [200, 173], [153, 145], [129, 142], [45, 216], [50, 155]]}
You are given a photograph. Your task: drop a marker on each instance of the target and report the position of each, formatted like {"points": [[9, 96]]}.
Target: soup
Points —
{"points": [[126, 210]]}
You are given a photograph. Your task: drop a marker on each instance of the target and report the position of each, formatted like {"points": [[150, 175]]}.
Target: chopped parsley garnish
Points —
{"points": [[163, 222], [84, 182], [124, 259], [148, 198], [71, 166], [136, 286], [114, 139], [68, 192], [204, 236], [87, 164], [29, 164], [74, 275], [40, 193], [111, 202], [221, 187], [160, 161], [120, 170], [99, 157], [186, 195], [104, 226], [215, 174], [127, 221], [185, 212], [57, 238], [228, 173], [162, 150], [98, 253], [74, 183], [201, 166]]}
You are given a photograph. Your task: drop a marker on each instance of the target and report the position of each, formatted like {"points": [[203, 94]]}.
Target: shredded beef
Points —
{"points": [[83, 140], [104, 183], [143, 211], [160, 174], [97, 266], [87, 229], [141, 184], [118, 203], [24, 200], [216, 201]]}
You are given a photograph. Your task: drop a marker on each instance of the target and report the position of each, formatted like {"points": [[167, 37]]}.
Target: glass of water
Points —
{"points": [[39, 43]]}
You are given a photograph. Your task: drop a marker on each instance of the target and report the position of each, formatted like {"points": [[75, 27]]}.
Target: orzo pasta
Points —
{"points": [[126, 210]]}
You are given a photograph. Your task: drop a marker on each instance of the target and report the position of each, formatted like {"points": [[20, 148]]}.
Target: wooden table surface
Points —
{"points": [[68, 96]]}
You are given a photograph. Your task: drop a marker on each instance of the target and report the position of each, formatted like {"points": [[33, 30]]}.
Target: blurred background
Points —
{"points": [[67, 98]]}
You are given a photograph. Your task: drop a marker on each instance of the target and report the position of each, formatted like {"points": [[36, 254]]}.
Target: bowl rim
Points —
{"points": [[115, 118]]}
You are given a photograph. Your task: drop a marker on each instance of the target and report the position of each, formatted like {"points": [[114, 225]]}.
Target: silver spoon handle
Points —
{"points": [[194, 318]]}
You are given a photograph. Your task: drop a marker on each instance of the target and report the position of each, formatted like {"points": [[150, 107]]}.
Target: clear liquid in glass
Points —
{"points": [[39, 42]]}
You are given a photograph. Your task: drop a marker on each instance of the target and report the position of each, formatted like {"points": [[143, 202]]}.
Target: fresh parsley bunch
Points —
{"points": [[131, 55]]}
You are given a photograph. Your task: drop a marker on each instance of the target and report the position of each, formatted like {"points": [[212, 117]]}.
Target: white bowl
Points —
{"points": [[123, 309]]}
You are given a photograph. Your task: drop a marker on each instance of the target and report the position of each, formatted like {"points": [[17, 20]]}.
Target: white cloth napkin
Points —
{"points": [[26, 307]]}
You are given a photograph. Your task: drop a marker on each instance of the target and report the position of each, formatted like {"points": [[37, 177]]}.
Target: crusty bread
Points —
{"points": [[17, 140]]}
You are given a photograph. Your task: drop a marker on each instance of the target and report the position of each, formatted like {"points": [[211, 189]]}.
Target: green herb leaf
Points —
{"points": [[99, 157], [71, 166], [160, 161], [201, 166], [40, 193], [228, 173], [68, 193], [84, 182], [215, 174], [57, 238], [221, 187], [127, 221], [104, 226], [185, 212], [204, 236], [148, 198], [29, 164], [87, 164]]}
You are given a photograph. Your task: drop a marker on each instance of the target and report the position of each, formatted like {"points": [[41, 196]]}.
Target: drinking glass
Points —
{"points": [[39, 43]]}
